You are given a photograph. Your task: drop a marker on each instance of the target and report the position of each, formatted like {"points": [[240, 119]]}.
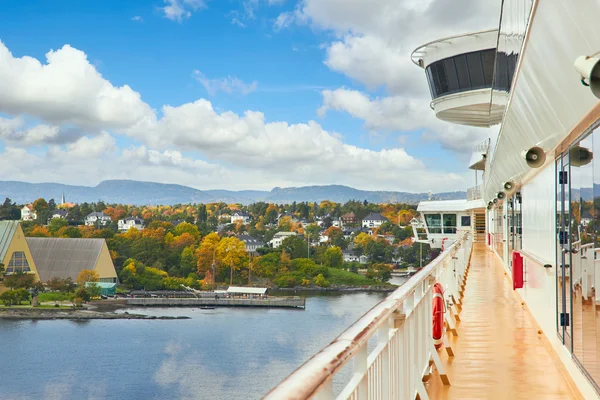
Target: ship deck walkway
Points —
{"points": [[498, 353]]}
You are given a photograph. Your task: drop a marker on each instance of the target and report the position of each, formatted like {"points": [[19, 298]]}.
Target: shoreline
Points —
{"points": [[80, 314], [365, 289]]}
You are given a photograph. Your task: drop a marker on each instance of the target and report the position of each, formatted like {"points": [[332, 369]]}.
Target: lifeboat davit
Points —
{"points": [[438, 314]]}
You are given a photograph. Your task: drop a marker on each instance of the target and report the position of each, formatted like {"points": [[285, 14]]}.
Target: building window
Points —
{"points": [[18, 263], [450, 223], [434, 223], [465, 220]]}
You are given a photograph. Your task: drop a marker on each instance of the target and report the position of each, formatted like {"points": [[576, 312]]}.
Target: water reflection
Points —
{"points": [[221, 353]]}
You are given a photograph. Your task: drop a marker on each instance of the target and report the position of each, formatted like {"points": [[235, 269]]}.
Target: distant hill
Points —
{"points": [[152, 193]]}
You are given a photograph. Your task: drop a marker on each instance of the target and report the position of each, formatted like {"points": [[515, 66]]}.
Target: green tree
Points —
{"points": [[201, 214], [56, 223], [19, 280], [295, 246], [321, 281], [333, 257]]}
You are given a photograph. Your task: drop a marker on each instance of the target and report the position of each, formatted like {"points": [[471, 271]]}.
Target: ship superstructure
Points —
{"points": [[520, 264]]}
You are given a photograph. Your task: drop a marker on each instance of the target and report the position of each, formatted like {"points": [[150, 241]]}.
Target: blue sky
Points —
{"points": [[237, 55]]}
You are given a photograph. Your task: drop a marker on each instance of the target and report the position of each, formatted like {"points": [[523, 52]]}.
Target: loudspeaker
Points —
{"points": [[580, 156], [495, 200], [589, 69], [489, 207], [534, 157], [509, 186], [501, 195]]}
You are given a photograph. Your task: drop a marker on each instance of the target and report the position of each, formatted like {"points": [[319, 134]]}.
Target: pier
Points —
{"points": [[273, 302]]}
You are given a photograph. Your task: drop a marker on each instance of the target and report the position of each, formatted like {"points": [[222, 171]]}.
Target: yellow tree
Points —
{"points": [[285, 261], [87, 275], [285, 224], [362, 240], [232, 251], [206, 253]]}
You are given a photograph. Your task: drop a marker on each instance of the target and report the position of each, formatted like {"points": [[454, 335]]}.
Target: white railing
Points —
{"points": [[401, 326], [474, 193]]}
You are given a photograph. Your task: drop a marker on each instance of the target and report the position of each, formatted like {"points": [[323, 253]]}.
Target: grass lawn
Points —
{"points": [[54, 296], [342, 277]]}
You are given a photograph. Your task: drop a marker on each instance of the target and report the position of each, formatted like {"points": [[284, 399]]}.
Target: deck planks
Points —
{"points": [[498, 352]]}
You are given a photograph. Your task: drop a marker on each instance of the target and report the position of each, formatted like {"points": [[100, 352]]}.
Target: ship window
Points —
{"points": [[449, 223], [465, 220], [434, 223], [451, 74], [475, 70], [488, 58], [462, 71]]}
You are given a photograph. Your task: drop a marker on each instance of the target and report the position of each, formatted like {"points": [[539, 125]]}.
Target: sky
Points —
{"points": [[231, 94]]}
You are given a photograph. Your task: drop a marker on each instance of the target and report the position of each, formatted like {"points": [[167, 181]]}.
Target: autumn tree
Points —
{"points": [[188, 228], [232, 251], [87, 275], [39, 231], [206, 253]]}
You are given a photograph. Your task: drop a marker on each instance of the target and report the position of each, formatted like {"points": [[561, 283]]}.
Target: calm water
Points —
{"points": [[223, 353]]}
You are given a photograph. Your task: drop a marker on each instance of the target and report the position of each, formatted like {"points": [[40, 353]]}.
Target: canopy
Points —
{"points": [[246, 290]]}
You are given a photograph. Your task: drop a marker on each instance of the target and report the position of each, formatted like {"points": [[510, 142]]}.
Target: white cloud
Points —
{"points": [[178, 10], [190, 144], [137, 18], [67, 89], [402, 113], [14, 131], [283, 20], [227, 85], [275, 2]]}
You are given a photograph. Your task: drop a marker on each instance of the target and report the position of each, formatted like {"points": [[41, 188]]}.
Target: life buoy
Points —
{"points": [[439, 305], [443, 240]]}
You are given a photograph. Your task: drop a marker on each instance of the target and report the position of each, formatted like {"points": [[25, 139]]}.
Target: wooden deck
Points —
{"points": [[499, 353]]}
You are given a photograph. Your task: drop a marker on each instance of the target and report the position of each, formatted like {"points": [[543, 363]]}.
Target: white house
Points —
{"points": [[373, 220], [240, 216], [126, 223], [350, 256], [97, 218], [280, 237], [59, 213], [251, 243], [27, 213]]}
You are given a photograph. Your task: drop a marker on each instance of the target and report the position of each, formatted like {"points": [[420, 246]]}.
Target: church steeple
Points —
{"points": [[63, 198]]}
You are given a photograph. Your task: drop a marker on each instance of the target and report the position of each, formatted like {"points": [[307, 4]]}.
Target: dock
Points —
{"points": [[274, 302]]}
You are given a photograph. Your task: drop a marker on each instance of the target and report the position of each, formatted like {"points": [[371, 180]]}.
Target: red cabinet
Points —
{"points": [[517, 270]]}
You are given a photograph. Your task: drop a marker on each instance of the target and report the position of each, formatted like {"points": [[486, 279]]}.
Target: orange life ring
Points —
{"points": [[443, 240], [439, 305]]}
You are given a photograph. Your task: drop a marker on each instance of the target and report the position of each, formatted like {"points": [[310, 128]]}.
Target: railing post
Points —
{"points": [[326, 392], [360, 368], [384, 373]]}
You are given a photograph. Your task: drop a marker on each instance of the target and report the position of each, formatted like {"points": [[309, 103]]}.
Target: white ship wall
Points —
{"points": [[538, 216]]}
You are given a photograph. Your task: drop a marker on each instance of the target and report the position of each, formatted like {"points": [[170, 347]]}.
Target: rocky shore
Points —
{"points": [[339, 288], [75, 314]]}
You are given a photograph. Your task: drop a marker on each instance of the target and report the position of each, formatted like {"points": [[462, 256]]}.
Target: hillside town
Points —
{"points": [[289, 245]]}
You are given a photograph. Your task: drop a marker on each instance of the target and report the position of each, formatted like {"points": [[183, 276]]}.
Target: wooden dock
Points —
{"points": [[274, 302]]}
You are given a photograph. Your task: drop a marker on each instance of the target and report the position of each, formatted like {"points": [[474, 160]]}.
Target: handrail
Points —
{"points": [[306, 381]]}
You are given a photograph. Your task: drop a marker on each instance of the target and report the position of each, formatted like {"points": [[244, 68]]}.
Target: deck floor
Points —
{"points": [[498, 352]]}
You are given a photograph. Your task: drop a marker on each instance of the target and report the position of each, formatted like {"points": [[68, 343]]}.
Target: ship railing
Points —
{"points": [[474, 193], [390, 347]]}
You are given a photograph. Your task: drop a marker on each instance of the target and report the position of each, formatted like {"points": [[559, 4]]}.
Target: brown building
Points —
{"points": [[349, 218]]}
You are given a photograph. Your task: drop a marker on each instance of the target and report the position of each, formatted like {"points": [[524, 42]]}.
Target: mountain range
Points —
{"points": [[152, 193]]}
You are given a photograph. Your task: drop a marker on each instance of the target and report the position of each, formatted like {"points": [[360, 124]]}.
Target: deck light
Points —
{"points": [[534, 157], [589, 69]]}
